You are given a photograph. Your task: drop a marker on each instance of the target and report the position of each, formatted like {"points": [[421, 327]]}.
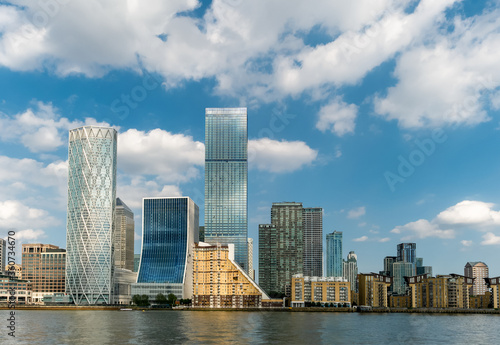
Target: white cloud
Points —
{"points": [[132, 192], [14, 214], [40, 128], [470, 212], [385, 239], [279, 156], [338, 117], [490, 239], [356, 213], [254, 49], [361, 239], [466, 243], [29, 235], [422, 229], [171, 157], [137, 237], [444, 81]]}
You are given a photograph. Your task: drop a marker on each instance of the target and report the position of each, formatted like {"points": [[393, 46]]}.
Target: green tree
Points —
{"points": [[171, 299], [141, 301], [161, 299]]}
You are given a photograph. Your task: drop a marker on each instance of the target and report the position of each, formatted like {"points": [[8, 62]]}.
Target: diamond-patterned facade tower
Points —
{"points": [[91, 208]]}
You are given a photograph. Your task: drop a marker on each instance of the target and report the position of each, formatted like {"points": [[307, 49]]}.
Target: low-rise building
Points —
{"points": [[480, 301], [493, 284], [325, 290], [123, 282], [219, 282], [400, 301], [14, 290], [373, 289], [442, 291], [17, 269]]}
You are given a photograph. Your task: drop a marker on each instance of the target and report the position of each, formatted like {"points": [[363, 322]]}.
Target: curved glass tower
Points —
{"points": [[226, 170], [170, 228], [91, 208]]}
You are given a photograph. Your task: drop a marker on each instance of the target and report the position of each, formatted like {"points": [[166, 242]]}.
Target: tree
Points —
{"points": [[161, 299], [141, 301], [171, 299]]}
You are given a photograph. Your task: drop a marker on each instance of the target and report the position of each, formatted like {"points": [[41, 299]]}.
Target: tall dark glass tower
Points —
{"points": [[334, 254], [226, 170], [313, 241]]}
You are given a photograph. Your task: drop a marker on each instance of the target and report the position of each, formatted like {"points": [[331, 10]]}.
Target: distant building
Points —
{"points": [[219, 282], [494, 284], [350, 271], [442, 291], [44, 265], [407, 253], [373, 290], [21, 288], [334, 259], [3, 255], [251, 271], [137, 260], [479, 271], [421, 269], [202, 234], [17, 269], [91, 213], [388, 262], [325, 290], [401, 269], [226, 179], [281, 248], [170, 229], [123, 285], [123, 233], [313, 241]]}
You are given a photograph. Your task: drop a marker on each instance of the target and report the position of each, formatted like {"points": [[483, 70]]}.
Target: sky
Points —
{"points": [[384, 113]]}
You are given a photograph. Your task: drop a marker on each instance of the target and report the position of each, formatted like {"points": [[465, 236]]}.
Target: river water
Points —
{"points": [[202, 327]]}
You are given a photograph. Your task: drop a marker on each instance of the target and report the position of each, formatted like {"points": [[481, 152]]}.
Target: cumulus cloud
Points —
{"points": [[385, 239], [338, 117], [490, 239], [279, 156], [357, 212], [466, 243], [444, 82], [14, 214], [361, 239], [171, 157], [254, 49], [29, 235], [422, 229], [40, 128], [470, 212], [132, 191]]}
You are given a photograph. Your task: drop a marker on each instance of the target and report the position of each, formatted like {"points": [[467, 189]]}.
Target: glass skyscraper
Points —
{"points": [[313, 241], [226, 170], [91, 208], [170, 229], [123, 236], [334, 263]]}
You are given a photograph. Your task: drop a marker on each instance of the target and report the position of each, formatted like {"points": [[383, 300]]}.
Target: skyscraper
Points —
{"points": [[123, 236], [226, 169], [478, 270], [334, 266], [400, 270], [281, 247], [313, 241], [407, 253], [91, 211], [350, 271], [170, 229]]}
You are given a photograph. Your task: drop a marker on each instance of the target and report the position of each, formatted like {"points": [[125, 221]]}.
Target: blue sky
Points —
{"points": [[385, 113]]}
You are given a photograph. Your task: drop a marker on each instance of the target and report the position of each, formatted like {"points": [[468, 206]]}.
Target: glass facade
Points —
{"points": [[123, 236], [226, 170], [334, 263], [313, 242], [170, 228], [91, 207]]}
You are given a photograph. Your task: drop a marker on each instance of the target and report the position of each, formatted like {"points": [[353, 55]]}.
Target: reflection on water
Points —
{"points": [[199, 327]]}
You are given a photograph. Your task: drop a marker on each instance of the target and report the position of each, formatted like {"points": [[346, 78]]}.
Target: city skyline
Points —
{"points": [[388, 121]]}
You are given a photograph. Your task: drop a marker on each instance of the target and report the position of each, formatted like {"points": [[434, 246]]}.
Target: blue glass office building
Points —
{"points": [[334, 263], [91, 208], [169, 230], [226, 170]]}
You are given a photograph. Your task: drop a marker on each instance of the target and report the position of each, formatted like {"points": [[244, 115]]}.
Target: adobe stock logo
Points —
{"points": [[416, 158]]}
